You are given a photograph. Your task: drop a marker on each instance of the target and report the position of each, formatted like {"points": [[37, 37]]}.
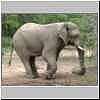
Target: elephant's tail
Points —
{"points": [[11, 53]]}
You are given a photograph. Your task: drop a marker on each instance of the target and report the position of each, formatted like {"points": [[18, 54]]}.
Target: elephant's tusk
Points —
{"points": [[79, 47]]}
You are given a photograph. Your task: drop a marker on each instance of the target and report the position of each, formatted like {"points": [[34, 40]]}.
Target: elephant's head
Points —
{"points": [[70, 34]]}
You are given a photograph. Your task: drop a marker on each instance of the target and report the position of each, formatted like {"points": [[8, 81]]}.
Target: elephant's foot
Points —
{"points": [[50, 76], [80, 72]]}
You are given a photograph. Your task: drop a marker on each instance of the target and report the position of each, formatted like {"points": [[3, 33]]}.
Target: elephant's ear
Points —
{"points": [[63, 33]]}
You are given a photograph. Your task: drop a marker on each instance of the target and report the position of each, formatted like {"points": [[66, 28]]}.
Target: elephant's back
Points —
{"points": [[29, 26]]}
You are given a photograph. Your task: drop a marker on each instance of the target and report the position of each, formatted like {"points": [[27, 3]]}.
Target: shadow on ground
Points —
{"points": [[15, 75]]}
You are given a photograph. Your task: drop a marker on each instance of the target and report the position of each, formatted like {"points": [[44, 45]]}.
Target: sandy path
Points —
{"points": [[15, 75]]}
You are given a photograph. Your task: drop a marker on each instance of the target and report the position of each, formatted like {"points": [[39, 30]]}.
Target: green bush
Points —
{"points": [[86, 22]]}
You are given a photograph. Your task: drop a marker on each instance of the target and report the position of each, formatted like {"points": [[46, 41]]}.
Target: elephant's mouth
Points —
{"points": [[71, 43]]}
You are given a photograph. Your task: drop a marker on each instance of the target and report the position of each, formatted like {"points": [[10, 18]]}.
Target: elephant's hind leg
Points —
{"points": [[33, 67], [25, 61]]}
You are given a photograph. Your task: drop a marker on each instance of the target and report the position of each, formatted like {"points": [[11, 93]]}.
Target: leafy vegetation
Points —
{"points": [[86, 22]]}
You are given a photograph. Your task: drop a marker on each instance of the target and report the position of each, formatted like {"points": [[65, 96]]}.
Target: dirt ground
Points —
{"points": [[15, 75]]}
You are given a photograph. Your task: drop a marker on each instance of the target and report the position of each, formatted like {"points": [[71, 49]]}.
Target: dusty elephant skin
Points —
{"points": [[32, 40]]}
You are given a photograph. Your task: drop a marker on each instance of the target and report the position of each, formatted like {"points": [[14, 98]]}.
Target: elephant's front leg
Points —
{"points": [[50, 58], [81, 58], [51, 70]]}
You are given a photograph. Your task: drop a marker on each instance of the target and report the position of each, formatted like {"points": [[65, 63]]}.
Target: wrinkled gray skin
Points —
{"points": [[32, 40]]}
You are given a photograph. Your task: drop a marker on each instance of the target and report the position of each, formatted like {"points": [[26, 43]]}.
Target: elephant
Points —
{"points": [[47, 40]]}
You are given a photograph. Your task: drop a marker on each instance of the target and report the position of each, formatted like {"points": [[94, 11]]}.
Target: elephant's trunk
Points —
{"points": [[81, 58]]}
